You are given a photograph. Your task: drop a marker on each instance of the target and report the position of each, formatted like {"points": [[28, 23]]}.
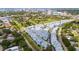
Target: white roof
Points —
{"points": [[15, 48]]}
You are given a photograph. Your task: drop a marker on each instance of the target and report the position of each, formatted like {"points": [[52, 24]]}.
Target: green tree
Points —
{"points": [[5, 44], [7, 31]]}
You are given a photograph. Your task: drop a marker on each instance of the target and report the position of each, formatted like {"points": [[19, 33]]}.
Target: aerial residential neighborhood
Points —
{"points": [[39, 29]]}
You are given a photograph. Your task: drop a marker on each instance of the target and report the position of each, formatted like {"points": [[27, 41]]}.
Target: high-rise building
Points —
{"points": [[49, 12]]}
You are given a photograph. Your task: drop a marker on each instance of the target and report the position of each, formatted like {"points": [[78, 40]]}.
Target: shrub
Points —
{"points": [[65, 41], [7, 31], [5, 44], [68, 44], [71, 48]]}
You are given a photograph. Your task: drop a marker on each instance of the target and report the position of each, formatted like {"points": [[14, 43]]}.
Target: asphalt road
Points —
{"points": [[54, 40]]}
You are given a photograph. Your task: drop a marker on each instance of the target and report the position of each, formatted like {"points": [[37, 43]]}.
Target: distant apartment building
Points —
{"points": [[49, 12], [57, 13], [62, 13]]}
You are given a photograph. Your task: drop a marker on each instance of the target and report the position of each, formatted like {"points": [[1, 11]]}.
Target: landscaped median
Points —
{"points": [[60, 38]]}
